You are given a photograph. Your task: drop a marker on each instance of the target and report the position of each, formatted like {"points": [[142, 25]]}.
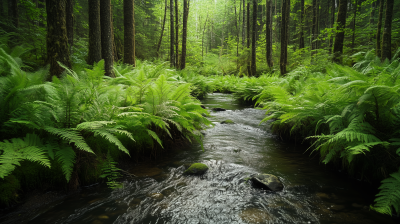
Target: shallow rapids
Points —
{"points": [[161, 194]]}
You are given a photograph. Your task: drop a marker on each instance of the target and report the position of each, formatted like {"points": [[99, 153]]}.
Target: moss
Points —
{"points": [[227, 122], [197, 168], [9, 189]]}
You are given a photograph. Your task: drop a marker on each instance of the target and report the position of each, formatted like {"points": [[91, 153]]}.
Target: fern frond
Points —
{"points": [[66, 157], [389, 196]]}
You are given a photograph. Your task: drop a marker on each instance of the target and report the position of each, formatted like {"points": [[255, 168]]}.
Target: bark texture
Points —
{"points": [[248, 38], [284, 33], [106, 37], [332, 17], [379, 28], [13, 12], [162, 29], [269, 33], [387, 32], [301, 36], [94, 32], [186, 4], [341, 24], [172, 37], [70, 22], [176, 33], [253, 40], [129, 32], [314, 27], [57, 41]]}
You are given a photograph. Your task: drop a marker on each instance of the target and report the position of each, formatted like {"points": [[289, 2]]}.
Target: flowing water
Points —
{"points": [[161, 194]]}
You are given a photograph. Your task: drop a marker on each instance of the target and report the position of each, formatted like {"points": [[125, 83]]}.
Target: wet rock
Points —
{"points": [[218, 109], [255, 215], [268, 181], [227, 122], [197, 169], [337, 207], [157, 196]]}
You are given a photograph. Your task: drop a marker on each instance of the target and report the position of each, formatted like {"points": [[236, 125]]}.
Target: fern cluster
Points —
{"points": [[51, 122]]}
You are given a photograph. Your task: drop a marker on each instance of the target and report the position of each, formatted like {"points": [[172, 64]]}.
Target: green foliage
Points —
{"points": [[9, 187], [111, 172], [388, 199]]}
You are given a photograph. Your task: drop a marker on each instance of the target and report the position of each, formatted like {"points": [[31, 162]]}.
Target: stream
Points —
{"points": [[161, 194]]}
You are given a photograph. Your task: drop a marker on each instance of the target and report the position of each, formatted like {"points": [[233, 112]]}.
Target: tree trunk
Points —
{"points": [[57, 40], [13, 12], [301, 45], [341, 25], [94, 32], [248, 38], [172, 37], [353, 38], [253, 40], [269, 33], [177, 33], [371, 17], [244, 24], [387, 31], [106, 37], [237, 35], [378, 32], [314, 27], [129, 32], [162, 29], [202, 39], [70, 23], [114, 44], [332, 24], [284, 32], [186, 4]]}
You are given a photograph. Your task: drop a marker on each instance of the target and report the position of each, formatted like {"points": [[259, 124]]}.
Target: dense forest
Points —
{"points": [[87, 85]]}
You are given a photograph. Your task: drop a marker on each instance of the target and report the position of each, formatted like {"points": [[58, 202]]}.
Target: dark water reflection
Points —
{"points": [[233, 152]]}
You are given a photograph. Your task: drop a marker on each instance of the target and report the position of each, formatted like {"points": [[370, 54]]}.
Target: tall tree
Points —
{"points": [[70, 23], [94, 32], [129, 32], [284, 32], [314, 27], [57, 40], [244, 23], [269, 33], [13, 12], [162, 29], [301, 45], [248, 37], [353, 38], [332, 17], [341, 24], [253, 39], [177, 33], [172, 38], [186, 5], [371, 17], [387, 31], [106, 37], [379, 28]]}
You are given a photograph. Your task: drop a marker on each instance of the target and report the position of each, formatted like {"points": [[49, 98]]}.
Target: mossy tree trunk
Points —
{"points": [[301, 35], [248, 38], [269, 33], [176, 33], [253, 40], [353, 38], [186, 5], [106, 37], [172, 37], [70, 23], [129, 32], [57, 40], [94, 32], [13, 12], [387, 31], [162, 29], [379, 28], [332, 17], [284, 32], [314, 28], [341, 24]]}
